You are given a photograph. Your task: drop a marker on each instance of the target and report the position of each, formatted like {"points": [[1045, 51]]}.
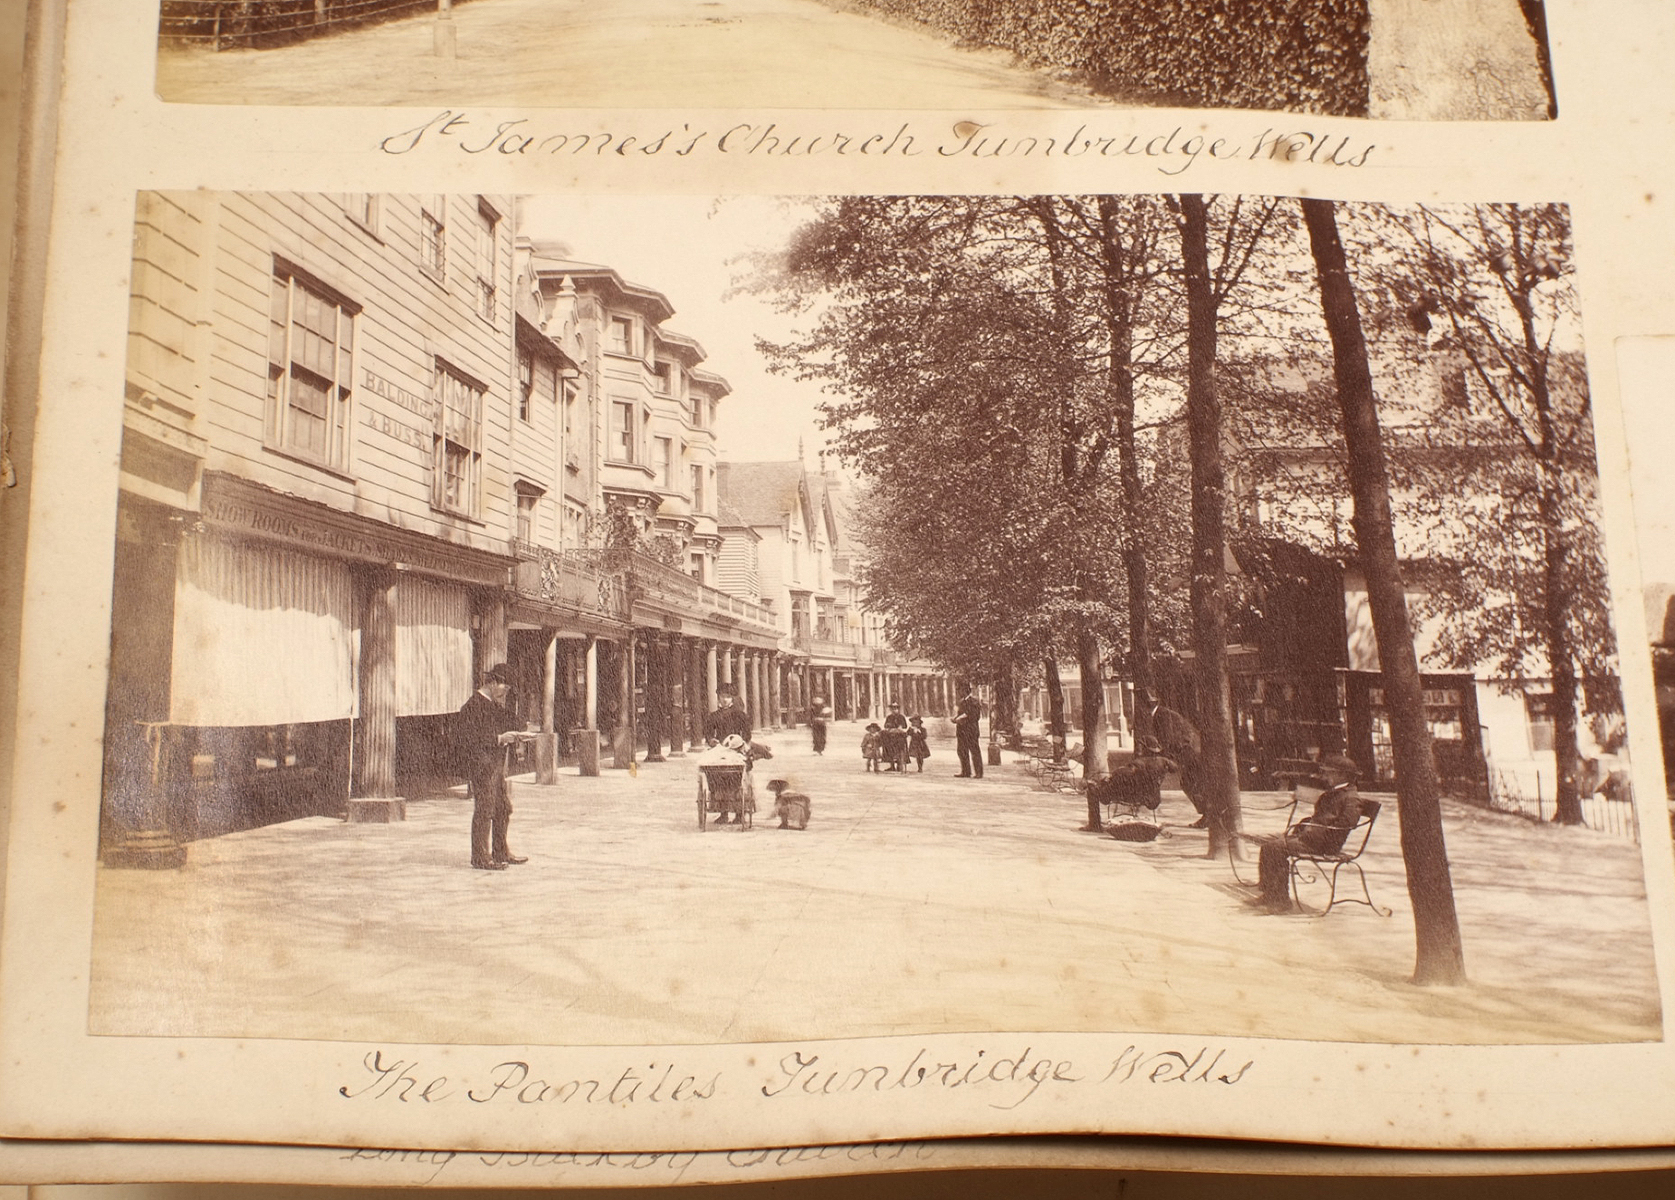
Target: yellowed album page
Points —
{"points": [[666, 578]]}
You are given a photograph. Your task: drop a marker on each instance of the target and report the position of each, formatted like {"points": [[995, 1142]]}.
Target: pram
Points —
{"points": [[725, 785]]}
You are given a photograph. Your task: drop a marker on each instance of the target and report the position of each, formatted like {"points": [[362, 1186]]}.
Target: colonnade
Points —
{"points": [[650, 691]]}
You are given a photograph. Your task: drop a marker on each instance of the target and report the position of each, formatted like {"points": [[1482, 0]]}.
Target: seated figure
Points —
{"points": [[1336, 809]]}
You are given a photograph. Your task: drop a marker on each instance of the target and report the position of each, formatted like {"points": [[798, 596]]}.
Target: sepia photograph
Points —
{"points": [[673, 621], [1408, 60]]}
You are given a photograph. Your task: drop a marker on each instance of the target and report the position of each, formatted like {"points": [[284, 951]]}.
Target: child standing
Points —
{"points": [[918, 741]]}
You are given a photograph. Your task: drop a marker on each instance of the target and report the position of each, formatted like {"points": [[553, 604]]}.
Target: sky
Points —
{"points": [[685, 247]]}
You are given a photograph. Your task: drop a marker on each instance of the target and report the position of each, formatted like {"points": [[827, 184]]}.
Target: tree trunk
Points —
{"points": [[1120, 331], [1555, 576], [1440, 957], [1003, 725], [1218, 770], [1055, 707], [1567, 757], [1092, 666]]}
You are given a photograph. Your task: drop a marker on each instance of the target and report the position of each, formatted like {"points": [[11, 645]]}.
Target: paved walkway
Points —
{"points": [[688, 54], [917, 902]]}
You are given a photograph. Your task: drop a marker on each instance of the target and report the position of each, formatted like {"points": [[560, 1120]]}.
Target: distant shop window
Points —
{"points": [[696, 570], [458, 459], [537, 383], [529, 505], [571, 395], [665, 462], [620, 335], [433, 238], [623, 437], [488, 222], [310, 344], [526, 382], [1538, 710], [362, 209], [575, 526]]}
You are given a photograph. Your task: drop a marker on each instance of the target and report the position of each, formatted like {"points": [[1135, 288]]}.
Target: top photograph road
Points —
{"points": [[1391, 59]]}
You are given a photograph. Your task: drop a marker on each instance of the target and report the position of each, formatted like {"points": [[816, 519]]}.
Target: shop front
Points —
{"points": [[275, 658]]}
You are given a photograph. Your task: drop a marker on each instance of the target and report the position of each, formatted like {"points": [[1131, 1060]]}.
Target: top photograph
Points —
{"points": [[1405, 60]]}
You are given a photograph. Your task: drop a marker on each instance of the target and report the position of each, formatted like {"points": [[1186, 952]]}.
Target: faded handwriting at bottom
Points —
{"points": [[677, 1162]]}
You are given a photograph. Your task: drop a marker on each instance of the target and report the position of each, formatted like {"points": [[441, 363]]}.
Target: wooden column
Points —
{"points": [[586, 739], [136, 827], [774, 690], [657, 715], [675, 684], [590, 684], [375, 799], [546, 745], [491, 632], [712, 686], [622, 738], [695, 690]]}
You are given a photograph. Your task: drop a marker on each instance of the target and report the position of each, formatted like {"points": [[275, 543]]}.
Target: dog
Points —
{"points": [[872, 745], [791, 808]]}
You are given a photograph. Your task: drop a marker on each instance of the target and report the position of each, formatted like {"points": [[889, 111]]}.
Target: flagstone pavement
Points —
{"points": [[911, 903]]}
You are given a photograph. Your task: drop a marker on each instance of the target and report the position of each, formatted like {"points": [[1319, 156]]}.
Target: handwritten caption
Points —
{"points": [[406, 1081], [1172, 151], [1008, 1080]]}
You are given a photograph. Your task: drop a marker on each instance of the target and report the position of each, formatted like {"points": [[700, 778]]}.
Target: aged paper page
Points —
{"points": [[349, 385]]}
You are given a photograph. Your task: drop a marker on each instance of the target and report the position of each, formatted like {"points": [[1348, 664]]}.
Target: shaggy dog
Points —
{"points": [[790, 807]]}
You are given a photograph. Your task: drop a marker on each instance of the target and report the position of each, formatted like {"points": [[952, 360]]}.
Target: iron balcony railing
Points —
{"points": [[605, 580]]}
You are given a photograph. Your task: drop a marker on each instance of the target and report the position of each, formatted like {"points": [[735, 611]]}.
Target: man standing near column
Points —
{"points": [[967, 740], [1180, 742], [482, 730]]}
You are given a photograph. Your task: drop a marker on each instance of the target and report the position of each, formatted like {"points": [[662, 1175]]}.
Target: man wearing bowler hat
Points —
{"points": [[1337, 807], [482, 730]]}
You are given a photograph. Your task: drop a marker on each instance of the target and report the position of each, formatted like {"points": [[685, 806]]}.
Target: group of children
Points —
{"points": [[887, 747]]}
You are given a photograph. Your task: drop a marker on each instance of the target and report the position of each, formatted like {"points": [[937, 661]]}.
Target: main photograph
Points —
{"points": [[608, 620]]}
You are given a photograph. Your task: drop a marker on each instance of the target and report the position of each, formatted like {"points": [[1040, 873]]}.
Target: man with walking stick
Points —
{"points": [[483, 731]]}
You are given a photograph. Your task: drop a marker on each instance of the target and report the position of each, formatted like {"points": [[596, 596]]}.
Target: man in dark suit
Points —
{"points": [[967, 738], [1179, 741], [482, 730], [1337, 807]]}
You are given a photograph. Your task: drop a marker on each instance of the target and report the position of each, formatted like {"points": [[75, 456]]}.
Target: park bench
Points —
{"points": [[1309, 866], [1054, 776]]}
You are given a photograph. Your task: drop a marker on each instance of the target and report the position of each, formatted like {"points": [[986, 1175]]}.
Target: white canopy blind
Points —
{"points": [[432, 647], [262, 636]]}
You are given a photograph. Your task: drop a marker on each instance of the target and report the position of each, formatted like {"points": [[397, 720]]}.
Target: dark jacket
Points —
{"points": [[1175, 734], [723, 723], [966, 718], [1323, 831], [1137, 782], [476, 734]]}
